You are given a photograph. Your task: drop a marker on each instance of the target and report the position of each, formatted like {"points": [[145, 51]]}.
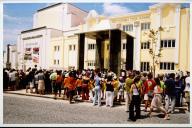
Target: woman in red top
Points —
{"points": [[85, 89], [79, 84]]}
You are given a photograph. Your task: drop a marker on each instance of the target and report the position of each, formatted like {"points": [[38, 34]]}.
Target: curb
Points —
{"points": [[43, 96], [28, 94], [50, 97]]}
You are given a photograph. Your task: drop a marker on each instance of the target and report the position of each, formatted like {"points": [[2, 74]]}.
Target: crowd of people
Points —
{"points": [[163, 92]]}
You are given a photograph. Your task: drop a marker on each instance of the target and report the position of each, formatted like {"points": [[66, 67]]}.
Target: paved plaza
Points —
{"points": [[21, 109]]}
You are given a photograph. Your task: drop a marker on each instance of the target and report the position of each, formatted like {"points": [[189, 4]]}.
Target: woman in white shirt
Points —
{"points": [[135, 91]]}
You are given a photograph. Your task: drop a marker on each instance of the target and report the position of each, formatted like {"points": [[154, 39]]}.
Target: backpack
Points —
{"points": [[59, 79]]}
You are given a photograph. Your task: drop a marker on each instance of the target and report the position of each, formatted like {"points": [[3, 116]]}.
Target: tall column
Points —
{"points": [[81, 45], [115, 51], [99, 56], [159, 34], [137, 47], [129, 53], [177, 24]]}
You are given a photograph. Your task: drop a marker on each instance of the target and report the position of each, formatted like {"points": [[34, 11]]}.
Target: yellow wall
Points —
{"points": [[184, 52], [168, 16]]}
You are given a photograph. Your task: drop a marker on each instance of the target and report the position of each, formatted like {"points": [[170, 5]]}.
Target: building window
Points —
{"points": [[54, 61], [145, 45], [74, 47], [91, 46], [145, 26], [173, 43], [161, 43], [167, 66], [56, 48], [70, 47], [124, 46], [144, 66], [128, 27], [57, 61], [91, 63], [167, 43]]}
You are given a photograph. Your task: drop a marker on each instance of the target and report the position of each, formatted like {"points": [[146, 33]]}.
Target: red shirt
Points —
{"points": [[149, 86], [70, 83]]}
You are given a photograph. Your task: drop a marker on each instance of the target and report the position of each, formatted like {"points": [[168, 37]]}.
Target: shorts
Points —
{"points": [[146, 97]]}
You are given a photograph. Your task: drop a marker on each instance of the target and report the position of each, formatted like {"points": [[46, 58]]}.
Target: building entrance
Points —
{"points": [[114, 37]]}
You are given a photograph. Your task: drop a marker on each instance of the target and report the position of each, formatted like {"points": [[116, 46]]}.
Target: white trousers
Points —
{"points": [[109, 98], [128, 100]]}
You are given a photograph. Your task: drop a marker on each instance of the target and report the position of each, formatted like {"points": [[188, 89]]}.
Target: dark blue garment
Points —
{"points": [[170, 87]]}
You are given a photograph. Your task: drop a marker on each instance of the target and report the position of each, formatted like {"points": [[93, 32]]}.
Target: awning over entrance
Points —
{"points": [[115, 37], [104, 34]]}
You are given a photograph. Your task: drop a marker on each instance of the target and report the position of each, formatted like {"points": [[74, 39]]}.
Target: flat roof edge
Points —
{"points": [[48, 7], [29, 30]]}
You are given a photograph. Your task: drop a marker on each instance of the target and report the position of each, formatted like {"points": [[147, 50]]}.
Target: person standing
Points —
{"points": [[12, 79], [85, 90], [148, 90], [5, 79], [70, 82], [157, 100], [41, 82], [135, 104], [109, 91], [170, 93], [53, 78], [79, 83], [187, 90], [59, 81], [128, 83], [36, 81], [121, 89], [97, 90], [48, 88]]}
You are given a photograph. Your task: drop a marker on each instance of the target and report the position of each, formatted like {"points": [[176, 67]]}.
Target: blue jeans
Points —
{"points": [[97, 96]]}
